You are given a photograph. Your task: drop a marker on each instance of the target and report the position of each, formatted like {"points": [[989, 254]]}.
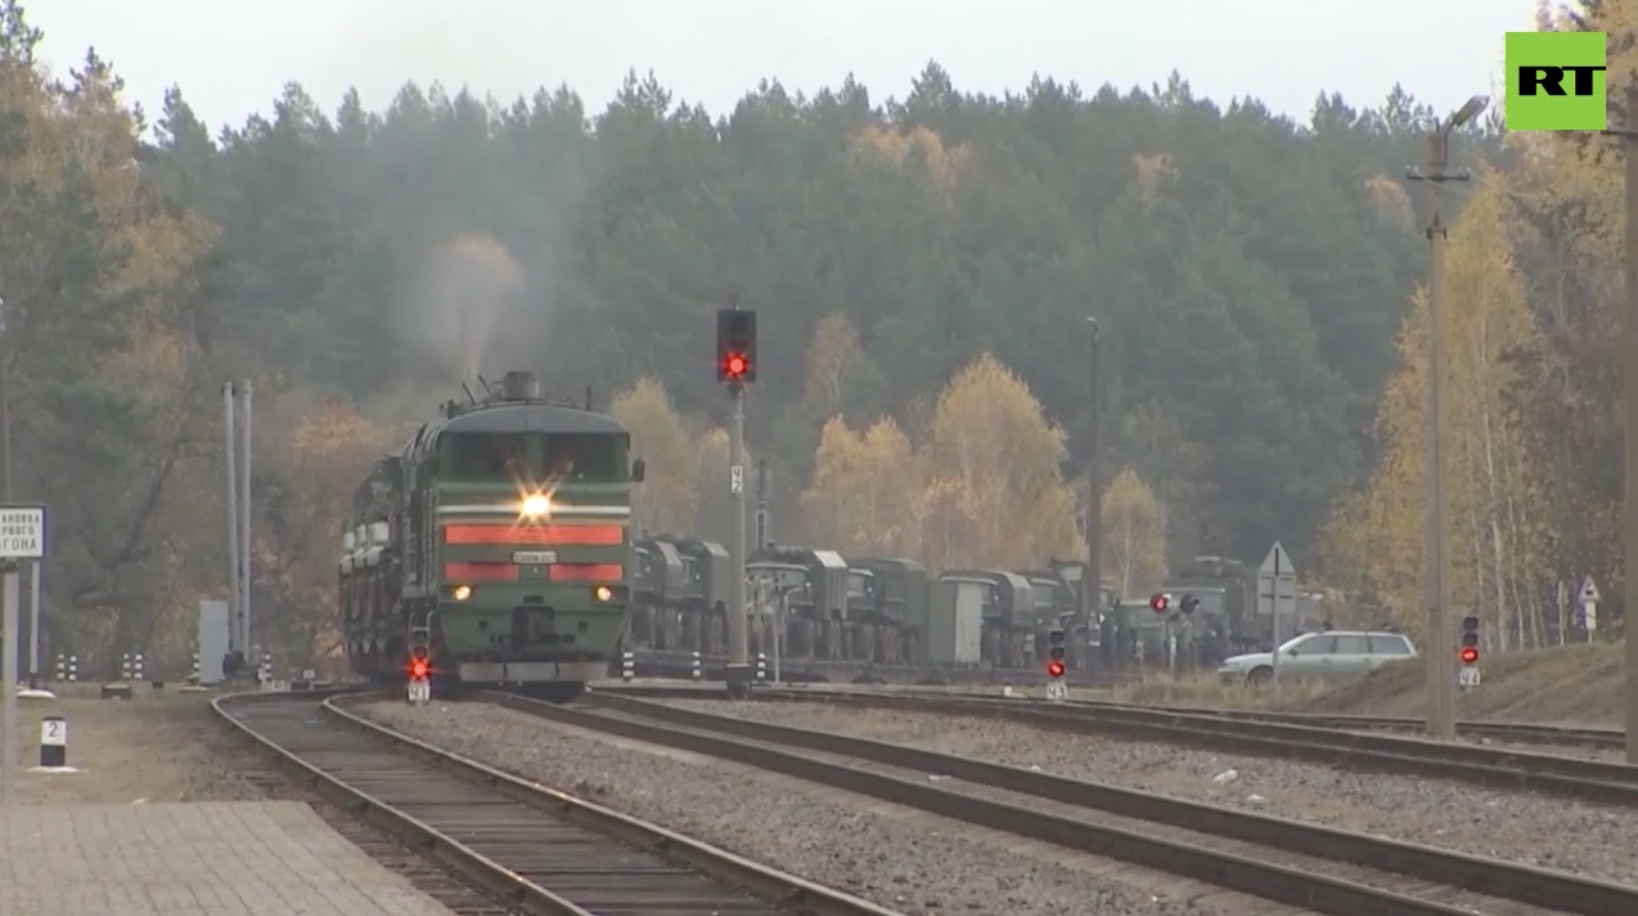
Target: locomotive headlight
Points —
{"points": [[603, 593], [535, 505], [462, 592]]}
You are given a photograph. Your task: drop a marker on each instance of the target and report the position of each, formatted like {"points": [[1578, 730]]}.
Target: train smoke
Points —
{"points": [[458, 305]]}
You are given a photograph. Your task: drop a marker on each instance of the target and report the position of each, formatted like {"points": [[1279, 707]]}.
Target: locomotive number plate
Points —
{"points": [[534, 557]]}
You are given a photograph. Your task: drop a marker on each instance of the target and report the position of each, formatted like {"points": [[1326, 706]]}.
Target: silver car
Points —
{"points": [[1333, 655]]}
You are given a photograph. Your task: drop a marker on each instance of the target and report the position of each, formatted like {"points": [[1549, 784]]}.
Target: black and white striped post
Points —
{"points": [[53, 742], [699, 667], [628, 665]]}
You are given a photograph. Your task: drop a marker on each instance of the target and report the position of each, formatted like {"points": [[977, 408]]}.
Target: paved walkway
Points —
{"points": [[205, 859]]}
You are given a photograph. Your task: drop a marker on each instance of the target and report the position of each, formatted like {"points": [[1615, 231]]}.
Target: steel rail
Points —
{"points": [[535, 847], [1514, 732], [1508, 768], [775, 749]]}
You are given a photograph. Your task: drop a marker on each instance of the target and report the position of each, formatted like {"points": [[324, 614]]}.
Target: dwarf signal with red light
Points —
{"points": [[1056, 665], [1160, 603], [1469, 651], [736, 346], [419, 669]]}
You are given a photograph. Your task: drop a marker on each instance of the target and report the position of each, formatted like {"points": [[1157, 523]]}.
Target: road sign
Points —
{"points": [[736, 479], [1277, 590], [22, 532], [1589, 591], [1468, 678]]}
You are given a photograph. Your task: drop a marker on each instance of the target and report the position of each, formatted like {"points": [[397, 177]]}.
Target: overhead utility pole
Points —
{"points": [[1629, 411], [1436, 581], [1092, 578]]}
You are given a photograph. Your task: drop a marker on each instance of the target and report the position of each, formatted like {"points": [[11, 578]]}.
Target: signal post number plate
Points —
{"points": [[420, 692], [534, 557], [1468, 677]]}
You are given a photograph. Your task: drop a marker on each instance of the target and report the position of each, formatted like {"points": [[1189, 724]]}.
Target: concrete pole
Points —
{"points": [[1436, 580], [1092, 578], [738, 673], [244, 522], [1629, 372], [234, 556]]}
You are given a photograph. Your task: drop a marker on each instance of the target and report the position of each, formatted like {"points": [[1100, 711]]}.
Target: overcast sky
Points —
{"points": [[231, 57]]}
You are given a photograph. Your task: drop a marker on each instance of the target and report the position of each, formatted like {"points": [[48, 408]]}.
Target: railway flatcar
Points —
{"points": [[494, 548]]}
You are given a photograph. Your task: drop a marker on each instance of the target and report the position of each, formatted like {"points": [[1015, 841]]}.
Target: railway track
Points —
{"points": [[536, 849], [1510, 732], [1602, 781], [1317, 869]]}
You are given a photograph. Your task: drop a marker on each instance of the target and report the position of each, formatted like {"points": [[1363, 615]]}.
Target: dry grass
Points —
{"points": [[1204, 690], [1576, 685]]}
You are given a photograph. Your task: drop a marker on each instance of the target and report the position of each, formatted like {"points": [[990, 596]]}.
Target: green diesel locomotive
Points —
{"points": [[494, 549]]}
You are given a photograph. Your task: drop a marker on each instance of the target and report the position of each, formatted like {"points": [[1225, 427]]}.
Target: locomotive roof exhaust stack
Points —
{"points": [[520, 386]]}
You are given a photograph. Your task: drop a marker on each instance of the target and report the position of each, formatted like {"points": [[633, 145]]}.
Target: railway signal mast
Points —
{"points": [[1467, 675], [419, 691], [736, 366], [1056, 666]]}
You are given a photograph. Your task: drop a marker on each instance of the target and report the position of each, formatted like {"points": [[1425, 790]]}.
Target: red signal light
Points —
{"points": [[1160, 603], [1469, 655], [1055, 669], [419, 669], [736, 365]]}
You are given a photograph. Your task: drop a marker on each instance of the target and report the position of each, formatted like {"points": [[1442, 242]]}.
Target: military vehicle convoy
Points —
{"points": [[859, 618]]}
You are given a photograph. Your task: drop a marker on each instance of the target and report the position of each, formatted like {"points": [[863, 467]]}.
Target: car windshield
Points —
{"points": [[1293, 643]]}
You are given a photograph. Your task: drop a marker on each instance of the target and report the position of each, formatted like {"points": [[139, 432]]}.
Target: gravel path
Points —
{"points": [[157, 747], [919, 864], [1547, 831]]}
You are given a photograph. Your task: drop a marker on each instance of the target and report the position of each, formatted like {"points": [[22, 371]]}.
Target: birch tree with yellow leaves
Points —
{"points": [[863, 497], [667, 499], [1134, 535], [1499, 524], [992, 454], [983, 487]]}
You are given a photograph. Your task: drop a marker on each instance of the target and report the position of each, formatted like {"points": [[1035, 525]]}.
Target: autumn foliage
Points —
{"points": [[1500, 537], [980, 487]]}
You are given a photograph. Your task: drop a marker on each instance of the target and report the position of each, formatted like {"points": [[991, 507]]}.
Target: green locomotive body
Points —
{"points": [[497, 544]]}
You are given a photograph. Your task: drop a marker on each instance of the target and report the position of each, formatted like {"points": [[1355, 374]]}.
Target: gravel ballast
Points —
{"points": [[916, 863], [1547, 831]]}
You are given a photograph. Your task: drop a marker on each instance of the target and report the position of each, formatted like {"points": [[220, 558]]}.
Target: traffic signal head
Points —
{"points": [[1055, 649], [1470, 640], [1055, 669], [736, 346], [1188, 604], [1159, 603], [419, 669]]}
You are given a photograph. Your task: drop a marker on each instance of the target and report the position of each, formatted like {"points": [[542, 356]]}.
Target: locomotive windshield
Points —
{"points": [[534, 457]]}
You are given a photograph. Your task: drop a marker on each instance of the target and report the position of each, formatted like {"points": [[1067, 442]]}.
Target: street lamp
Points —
{"points": [[1436, 591]]}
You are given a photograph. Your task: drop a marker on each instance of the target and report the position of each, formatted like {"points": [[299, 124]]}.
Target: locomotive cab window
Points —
{"points": [[487, 456], [581, 456], [534, 458]]}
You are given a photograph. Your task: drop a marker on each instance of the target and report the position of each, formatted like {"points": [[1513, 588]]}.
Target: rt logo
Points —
{"points": [[1555, 81]]}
